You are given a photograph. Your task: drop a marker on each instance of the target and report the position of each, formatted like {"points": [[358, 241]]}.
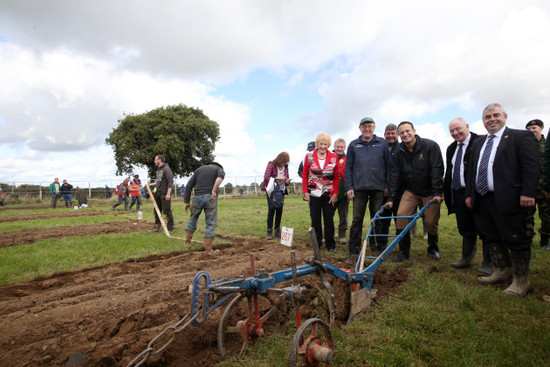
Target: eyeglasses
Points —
{"points": [[367, 127]]}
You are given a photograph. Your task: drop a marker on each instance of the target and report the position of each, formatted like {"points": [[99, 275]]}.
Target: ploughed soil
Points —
{"points": [[24, 236], [73, 213], [107, 315]]}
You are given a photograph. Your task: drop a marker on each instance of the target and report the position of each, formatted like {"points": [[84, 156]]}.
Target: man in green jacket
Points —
{"points": [[536, 126], [55, 189]]}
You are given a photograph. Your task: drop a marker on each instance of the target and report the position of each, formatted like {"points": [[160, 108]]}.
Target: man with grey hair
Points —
{"points": [[501, 184], [458, 158]]}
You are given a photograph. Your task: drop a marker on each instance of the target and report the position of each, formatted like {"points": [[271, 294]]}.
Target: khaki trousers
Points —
{"points": [[407, 206]]}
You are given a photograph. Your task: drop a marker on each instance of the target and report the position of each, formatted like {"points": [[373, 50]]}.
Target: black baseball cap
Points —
{"points": [[535, 122]]}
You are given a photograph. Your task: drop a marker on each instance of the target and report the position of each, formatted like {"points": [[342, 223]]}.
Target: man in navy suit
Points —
{"points": [[501, 184], [458, 159]]}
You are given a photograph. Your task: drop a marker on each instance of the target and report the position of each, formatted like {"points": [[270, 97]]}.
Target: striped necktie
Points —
{"points": [[482, 183]]}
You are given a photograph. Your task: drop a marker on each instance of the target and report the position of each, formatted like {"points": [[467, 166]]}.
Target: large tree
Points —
{"points": [[184, 135]]}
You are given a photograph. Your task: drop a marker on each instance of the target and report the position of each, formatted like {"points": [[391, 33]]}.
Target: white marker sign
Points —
{"points": [[286, 236]]}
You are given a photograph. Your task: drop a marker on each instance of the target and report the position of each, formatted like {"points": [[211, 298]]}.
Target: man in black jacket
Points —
{"points": [[163, 184], [417, 168], [501, 185], [458, 158]]}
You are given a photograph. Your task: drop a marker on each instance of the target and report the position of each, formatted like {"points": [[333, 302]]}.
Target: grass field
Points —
{"points": [[439, 317]]}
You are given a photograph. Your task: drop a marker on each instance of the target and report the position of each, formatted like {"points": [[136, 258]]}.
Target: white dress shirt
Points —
{"points": [[496, 141], [453, 160]]}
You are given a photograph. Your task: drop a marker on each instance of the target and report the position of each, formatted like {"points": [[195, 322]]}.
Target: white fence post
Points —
{"points": [[40, 190]]}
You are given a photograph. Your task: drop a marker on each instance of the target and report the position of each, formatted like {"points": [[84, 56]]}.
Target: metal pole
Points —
{"points": [[40, 190], [13, 189], [90, 189]]}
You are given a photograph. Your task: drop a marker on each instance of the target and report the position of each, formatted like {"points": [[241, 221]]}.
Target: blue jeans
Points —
{"points": [[68, 200], [210, 207]]}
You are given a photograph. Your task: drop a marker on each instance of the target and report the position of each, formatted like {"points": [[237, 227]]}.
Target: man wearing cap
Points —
{"points": [[501, 183], [458, 158], [417, 168], [135, 192], [310, 148], [536, 126], [368, 163]]}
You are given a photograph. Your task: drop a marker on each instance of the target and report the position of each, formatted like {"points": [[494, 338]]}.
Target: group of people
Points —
{"points": [[64, 191], [491, 183], [129, 188]]}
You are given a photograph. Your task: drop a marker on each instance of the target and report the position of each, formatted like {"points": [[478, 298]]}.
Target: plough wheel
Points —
{"points": [[312, 345], [240, 325]]}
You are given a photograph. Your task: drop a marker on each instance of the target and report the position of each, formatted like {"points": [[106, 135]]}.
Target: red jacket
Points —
{"points": [[325, 178]]}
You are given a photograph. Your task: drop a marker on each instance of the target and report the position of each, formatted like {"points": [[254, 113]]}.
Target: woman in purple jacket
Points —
{"points": [[278, 169]]}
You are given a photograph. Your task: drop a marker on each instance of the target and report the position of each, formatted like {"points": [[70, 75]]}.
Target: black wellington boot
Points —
{"points": [[469, 245], [404, 247], [486, 268], [433, 246]]}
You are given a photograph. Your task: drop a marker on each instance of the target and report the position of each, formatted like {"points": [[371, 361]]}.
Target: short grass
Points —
{"points": [[440, 317]]}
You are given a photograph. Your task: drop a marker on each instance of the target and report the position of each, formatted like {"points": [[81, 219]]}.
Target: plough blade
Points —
{"points": [[360, 300]]}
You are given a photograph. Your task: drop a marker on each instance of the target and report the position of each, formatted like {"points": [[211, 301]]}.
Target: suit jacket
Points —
{"points": [[447, 182], [516, 169]]}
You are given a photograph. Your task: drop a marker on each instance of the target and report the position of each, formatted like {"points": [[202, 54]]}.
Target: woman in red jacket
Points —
{"points": [[320, 185], [278, 169]]}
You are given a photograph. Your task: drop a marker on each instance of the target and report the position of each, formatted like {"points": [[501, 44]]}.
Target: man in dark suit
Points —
{"points": [[390, 134], [501, 183], [455, 189]]}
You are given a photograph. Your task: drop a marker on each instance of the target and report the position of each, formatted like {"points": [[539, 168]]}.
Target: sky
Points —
{"points": [[273, 74]]}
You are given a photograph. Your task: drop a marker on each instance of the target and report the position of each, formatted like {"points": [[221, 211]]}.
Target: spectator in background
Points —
{"points": [[182, 190], [320, 185], [310, 148], [536, 126], [122, 193], [55, 189], [66, 193], [205, 181], [390, 134], [82, 198], [342, 205], [107, 192], [135, 192], [417, 168], [368, 164], [278, 170], [163, 193]]}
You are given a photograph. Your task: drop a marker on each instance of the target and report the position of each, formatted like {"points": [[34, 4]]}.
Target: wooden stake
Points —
{"points": [[160, 214]]}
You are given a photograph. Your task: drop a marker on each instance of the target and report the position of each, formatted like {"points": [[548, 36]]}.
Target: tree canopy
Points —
{"points": [[184, 135]]}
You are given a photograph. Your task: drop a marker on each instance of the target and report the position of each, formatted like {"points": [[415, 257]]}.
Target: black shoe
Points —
{"points": [[462, 264], [400, 257], [277, 232], [269, 234], [333, 250], [156, 228]]}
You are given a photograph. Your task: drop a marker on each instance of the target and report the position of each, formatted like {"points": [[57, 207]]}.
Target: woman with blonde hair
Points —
{"points": [[278, 170], [320, 185]]}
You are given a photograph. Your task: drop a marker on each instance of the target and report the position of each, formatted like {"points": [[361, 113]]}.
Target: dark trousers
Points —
{"points": [[498, 227], [122, 199], [165, 207], [375, 199], [135, 200], [464, 215], [321, 206], [272, 212], [387, 222], [342, 206]]}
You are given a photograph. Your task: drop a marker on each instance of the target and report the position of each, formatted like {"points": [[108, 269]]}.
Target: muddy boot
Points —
{"points": [[188, 238], [269, 234], [486, 267], [156, 228], [502, 266], [544, 239], [433, 246], [342, 237], [469, 245], [520, 264], [278, 232], [404, 247], [208, 244]]}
